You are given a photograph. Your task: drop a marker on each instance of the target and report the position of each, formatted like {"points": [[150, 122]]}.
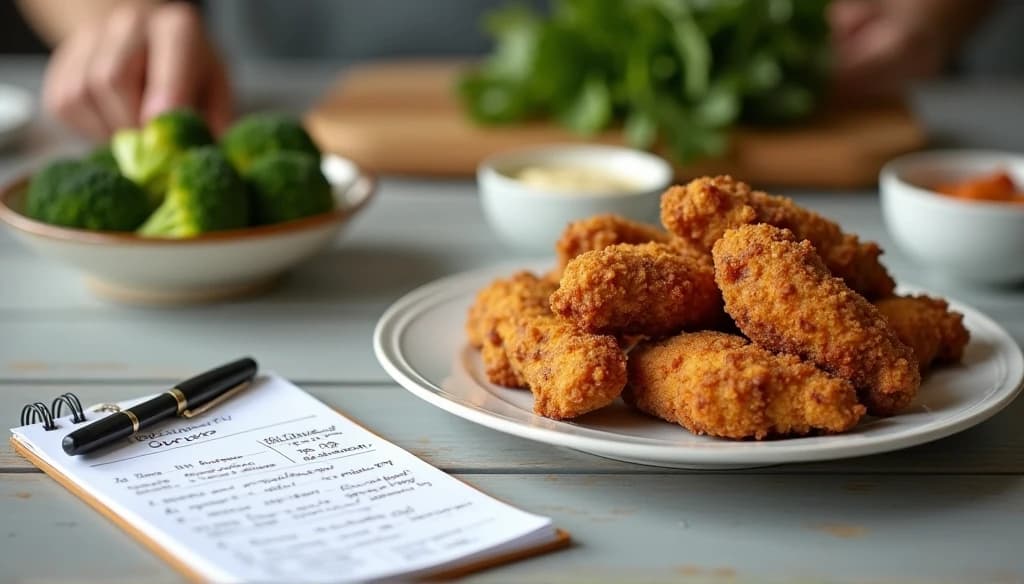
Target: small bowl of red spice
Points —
{"points": [[958, 212]]}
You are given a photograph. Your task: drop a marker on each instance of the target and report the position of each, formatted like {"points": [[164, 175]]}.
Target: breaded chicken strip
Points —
{"points": [[646, 289], [720, 385], [601, 231], [522, 294], [570, 372], [927, 325], [705, 208], [691, 251], [781, 295]]}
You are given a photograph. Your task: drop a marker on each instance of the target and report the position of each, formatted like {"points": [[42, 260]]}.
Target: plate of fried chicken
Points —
{"points": [[747, 332]]}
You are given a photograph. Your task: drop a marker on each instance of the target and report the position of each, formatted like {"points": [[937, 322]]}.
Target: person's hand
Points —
{"points": [[139, 60], [882, 46]]}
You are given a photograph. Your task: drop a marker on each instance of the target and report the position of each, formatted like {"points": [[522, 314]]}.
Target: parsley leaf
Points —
{"points": [[680, 71]]}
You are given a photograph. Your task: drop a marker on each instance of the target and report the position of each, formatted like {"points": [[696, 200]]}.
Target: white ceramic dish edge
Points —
{"points": [[530, 219], [776, 452], [211, 267], [971, 240], [16, 110]]}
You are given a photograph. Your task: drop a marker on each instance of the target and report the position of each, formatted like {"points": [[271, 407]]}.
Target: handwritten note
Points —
{"points": [[274, 485]]}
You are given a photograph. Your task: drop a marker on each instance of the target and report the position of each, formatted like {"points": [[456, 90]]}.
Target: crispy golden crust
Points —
{"points": [[783, 298], [705, 208], [646, 289], [688, 249], [601, 231], [522, 294], [927, 325], [570, 372], [497, 367], [719, 384]]}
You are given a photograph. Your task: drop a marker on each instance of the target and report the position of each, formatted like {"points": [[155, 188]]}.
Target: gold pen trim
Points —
{"points": [[217, 400], [135, 419], [178, 397]]}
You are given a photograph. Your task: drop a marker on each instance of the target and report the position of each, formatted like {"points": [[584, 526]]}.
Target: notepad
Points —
{"points": [[275, 486]]}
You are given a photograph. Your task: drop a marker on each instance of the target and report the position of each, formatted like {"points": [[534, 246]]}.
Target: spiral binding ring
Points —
{"points": [[73, 403], [37, 411]]}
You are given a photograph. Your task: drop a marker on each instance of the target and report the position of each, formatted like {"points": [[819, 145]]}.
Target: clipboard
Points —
{"points": [[162, 550]]}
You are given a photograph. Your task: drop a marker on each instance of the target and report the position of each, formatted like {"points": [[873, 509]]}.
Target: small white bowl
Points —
{"points": [[979, 241], [531, 219], [215, 266], [15, 113]]}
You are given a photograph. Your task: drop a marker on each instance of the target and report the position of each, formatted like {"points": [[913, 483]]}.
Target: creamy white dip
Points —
{"points": [[575, 178]]}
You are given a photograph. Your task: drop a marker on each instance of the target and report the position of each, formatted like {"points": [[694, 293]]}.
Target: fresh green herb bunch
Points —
{"points": [[685, 71]]}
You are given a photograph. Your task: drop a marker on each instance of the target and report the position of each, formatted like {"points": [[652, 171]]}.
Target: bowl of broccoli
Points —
{"points": [[164, 214]]}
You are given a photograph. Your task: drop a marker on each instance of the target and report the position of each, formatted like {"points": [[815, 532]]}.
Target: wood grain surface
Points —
{"points": [[403, 117], [704, 529]]}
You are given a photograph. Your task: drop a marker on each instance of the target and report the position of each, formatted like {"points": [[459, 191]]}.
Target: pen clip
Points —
{"points": [[191, 413]]}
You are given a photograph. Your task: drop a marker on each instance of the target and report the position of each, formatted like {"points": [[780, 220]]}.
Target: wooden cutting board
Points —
{"points": [[403, 118]]}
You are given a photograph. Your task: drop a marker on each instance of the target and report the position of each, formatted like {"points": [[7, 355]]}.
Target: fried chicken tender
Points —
{"points": [[601, 231], [721, 385], [705, 208], [647, 289], [522, 294], [783, 298], [689, 250], [927, 325], [570, 372]]}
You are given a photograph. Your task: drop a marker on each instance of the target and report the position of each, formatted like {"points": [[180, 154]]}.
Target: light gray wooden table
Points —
{"points": [[950, 511]]}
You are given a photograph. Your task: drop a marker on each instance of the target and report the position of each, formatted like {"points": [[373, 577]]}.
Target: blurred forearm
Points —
{"points": [[54, 20], [881, 47], [957, 18]]}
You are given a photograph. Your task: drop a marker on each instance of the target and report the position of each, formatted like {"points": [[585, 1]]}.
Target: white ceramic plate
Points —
{"points": [[15, 112], [420, 341]]}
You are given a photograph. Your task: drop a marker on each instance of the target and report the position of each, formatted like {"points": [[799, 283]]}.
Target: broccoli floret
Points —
{"points": [[147, 155], [46, 185], [204, 194], [263, 133], [103, 156], [285, 186], [86, 195]]}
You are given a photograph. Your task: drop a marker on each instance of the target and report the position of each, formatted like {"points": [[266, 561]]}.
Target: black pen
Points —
{"points": [[189, 398]]}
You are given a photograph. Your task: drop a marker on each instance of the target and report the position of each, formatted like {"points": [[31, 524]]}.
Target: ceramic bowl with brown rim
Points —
{"points": [[210, 267]]}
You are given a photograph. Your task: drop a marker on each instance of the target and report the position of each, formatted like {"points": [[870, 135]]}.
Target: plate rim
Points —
{"points": [[730, 453], [26, 110]]}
